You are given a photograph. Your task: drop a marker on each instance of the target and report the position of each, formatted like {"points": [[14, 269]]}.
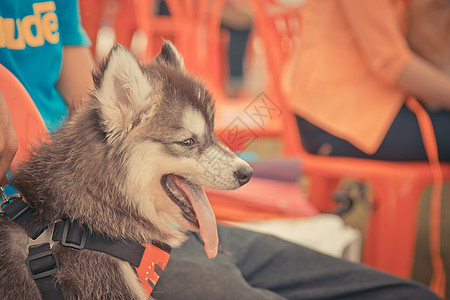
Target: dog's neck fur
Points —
{"points": [[109, 211]]}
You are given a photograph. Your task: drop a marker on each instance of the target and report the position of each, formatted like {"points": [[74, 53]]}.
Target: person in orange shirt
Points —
{"points": [[349, 82]]}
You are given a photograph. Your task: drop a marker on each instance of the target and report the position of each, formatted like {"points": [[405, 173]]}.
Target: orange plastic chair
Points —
{"points": [[397, 186], [27, 122], [124, 20], [155, 27], [194, 28], [278, 28]]}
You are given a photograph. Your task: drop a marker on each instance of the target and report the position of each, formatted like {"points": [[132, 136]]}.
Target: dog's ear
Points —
{"points": [[123, 90], [169, 55]]}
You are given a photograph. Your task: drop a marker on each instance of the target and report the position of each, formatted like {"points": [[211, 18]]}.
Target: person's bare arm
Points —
{"points": [[8, 141], [426, 82], [75, 79], [374, 25]]}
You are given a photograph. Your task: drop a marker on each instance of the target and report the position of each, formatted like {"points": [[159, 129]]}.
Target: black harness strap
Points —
{"points": [[72, 235], [41, 261], [21, 213], [42, 265]]}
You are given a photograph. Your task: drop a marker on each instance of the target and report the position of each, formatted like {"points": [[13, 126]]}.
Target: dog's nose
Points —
{"points": [[243, 174]]}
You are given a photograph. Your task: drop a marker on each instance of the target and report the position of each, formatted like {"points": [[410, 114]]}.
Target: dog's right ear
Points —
{"points": [[169, 55], [123, 90]]}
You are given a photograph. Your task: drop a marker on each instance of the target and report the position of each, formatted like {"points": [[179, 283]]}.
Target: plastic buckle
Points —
{"points": [[38, 256], [64, 241], [27, 206], [16, 201]]}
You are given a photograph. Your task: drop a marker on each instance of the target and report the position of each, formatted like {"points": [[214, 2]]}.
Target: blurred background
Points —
{"points": [[364, 210]]}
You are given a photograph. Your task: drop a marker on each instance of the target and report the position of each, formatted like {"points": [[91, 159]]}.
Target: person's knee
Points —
{"points": [[216, 279]]}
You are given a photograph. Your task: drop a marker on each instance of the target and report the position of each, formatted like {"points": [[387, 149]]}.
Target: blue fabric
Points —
{"points": [[32, 36]]}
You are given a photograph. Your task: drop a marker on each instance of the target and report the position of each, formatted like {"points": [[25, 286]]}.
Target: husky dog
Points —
{"points": [[130, 164]]}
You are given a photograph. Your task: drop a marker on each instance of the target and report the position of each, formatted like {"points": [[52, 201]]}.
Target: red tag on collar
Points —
{"points": [[152, 265]]}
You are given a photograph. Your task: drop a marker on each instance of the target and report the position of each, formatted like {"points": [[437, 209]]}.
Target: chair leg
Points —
{"points": [[125, 23], [391, 236], [321, 190], [91, 13]]}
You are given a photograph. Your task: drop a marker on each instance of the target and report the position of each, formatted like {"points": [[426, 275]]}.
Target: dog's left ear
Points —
{"points": [[169, 55], [123, 90]]}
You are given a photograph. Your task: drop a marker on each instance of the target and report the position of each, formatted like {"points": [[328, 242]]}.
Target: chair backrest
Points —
{"points": [[278, 27], [28, 124], [194, 28]]}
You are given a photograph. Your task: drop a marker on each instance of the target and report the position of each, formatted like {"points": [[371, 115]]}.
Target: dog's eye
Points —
{"points": [[188, 142]]}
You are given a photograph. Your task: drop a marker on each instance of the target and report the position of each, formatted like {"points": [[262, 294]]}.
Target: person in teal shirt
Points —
{"points": [[35, 37]]}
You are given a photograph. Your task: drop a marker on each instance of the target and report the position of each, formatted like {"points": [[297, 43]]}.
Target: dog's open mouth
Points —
{"points": [[179, 196], [195, 207]]}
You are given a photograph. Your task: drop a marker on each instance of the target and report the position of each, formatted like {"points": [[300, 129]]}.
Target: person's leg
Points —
{"points": [[318, 141], [236, 51], [190, 274], [296, 272], [236, 57], [403, 141], [257, 266]]}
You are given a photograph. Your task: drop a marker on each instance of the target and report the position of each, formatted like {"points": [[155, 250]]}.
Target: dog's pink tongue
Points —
{"points": [[204, 212]]}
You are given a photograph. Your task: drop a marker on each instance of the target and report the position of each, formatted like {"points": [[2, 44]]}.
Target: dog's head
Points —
{"points": [[162, 120]]}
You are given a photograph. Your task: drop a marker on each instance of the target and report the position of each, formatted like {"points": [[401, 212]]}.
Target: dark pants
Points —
{"points": [[257, 266], [236, 51], [403, 141]]}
